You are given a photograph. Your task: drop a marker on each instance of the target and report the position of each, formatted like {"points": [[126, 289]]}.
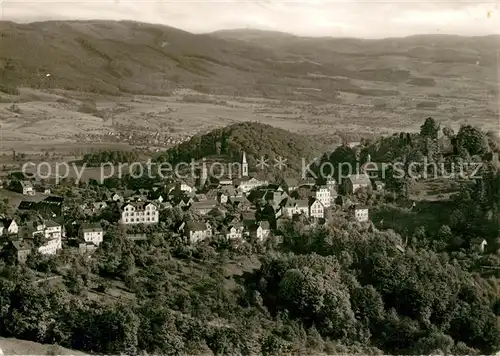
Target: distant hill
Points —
{"points": [[119, 57], [255, 139], [109, 57]]}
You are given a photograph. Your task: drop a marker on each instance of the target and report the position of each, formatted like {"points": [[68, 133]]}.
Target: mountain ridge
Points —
{"points": [[127, 57]]}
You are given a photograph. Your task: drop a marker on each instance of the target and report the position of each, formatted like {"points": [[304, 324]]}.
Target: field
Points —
{"points": [[38, 121], [11, 346]]}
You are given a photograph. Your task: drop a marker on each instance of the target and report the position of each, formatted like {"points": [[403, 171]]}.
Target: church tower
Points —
{"points": [[244, 166], [203, 175]]}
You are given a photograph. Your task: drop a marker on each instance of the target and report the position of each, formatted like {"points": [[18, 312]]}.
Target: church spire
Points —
{"points": [[244, 166]]}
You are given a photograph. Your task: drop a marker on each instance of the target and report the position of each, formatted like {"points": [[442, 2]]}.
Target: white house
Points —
{"points": [[289, 209], [8, 227], [361, 213], [24, 187], [247, 184], [53, 230], [92, 233], [116, 197], [234, 232], [478, 245], [316, 209], [323, 194], [196, 231], [50, 247], [222, 198], [260, 231], [50, 231], [139, 213], [302, 207], [357, 181], [183, 186], [295, 207]]}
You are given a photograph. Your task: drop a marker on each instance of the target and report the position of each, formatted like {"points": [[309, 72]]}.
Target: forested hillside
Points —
{"points": [[255, 139], [342, 289]]}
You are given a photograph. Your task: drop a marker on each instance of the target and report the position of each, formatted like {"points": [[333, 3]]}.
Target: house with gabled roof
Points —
{"points": [[134, 213], [184, 202], [246, 184], [21, 249], [260, 231], [478, 245], [233, 231], [196, 231], [99, 206], [49, 231], [316, 209], [360, 212], [290, 184], [323, 194], [222, 198], [293, 207], [355, 182], [116, 197], [157, 196], [24, 187], [248, 218], [8, 227], [202, 207], [303, 206], [217, 212], [52, 205], [185, 187], [240, 202], [91, 233]]}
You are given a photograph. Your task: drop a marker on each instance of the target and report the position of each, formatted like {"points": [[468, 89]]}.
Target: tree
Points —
{"points": [[472, 140], [448, 132], [430, 129], [444, 233]]}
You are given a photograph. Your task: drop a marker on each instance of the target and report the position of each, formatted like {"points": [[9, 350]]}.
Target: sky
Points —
{"points": [[337, 18]]}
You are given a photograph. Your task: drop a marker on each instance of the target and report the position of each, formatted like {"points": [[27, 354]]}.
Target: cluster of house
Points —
{"points": [[42, 228], [27, 187], [44, 235], [262, 207], [245, 207]]}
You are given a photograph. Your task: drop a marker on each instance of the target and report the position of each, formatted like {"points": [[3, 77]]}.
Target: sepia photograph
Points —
{"points": [[249, 177]]}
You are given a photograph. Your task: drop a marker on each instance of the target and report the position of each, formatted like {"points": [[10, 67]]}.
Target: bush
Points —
{"points": [[9, 89], [15, 109]]}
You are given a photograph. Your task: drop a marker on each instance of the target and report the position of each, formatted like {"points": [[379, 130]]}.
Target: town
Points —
{"points": [[243, 208]]}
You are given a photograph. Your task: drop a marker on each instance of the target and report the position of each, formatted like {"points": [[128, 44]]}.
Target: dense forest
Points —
{"points": [[255, 139], [339, 289]]}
